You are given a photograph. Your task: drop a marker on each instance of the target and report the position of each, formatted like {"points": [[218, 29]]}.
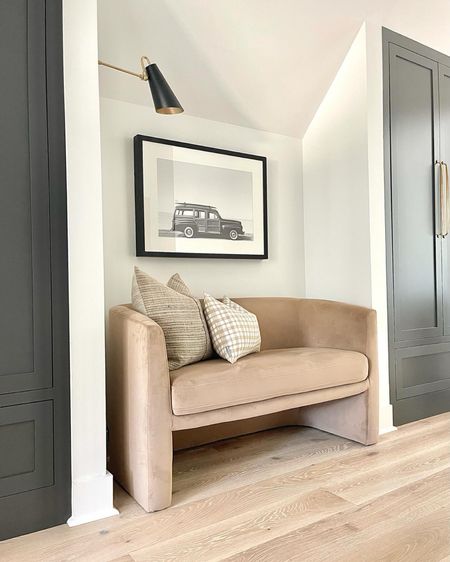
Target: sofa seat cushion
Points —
{"points": [[215, 383]]}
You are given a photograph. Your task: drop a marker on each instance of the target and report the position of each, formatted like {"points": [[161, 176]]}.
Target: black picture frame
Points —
{"points": [[139, 200]]}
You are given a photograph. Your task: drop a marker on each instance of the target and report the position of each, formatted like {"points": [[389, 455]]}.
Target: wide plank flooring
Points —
{"points": [[286, 494]]}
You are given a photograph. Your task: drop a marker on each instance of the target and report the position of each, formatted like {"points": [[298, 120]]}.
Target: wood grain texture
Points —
{"points": [[284, 494], [345, 536]]}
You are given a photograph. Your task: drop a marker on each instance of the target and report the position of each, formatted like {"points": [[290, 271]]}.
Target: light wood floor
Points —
{"points": [[285, 494]]}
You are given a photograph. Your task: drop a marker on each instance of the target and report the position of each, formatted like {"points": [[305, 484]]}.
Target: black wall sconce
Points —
{"points": [[164, 99]]}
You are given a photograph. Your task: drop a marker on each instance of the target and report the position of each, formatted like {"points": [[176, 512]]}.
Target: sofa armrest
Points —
{"points": [[139, 407], [338, 325], [343, 326], [137, 352]]}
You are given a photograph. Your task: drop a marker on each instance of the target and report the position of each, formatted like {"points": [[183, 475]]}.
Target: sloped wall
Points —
{"points": [[336, 202]]}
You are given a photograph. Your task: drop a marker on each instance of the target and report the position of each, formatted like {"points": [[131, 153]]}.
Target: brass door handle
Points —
{"points": [[447, 200], [444, 204]]}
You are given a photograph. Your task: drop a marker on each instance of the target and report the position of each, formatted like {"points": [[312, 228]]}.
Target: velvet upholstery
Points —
{"points": [[214, 384], [263, 407], [320, 355]]}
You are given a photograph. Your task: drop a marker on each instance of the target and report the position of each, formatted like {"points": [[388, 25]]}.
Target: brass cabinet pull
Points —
{"points": [[443, 198], [447, 200]]}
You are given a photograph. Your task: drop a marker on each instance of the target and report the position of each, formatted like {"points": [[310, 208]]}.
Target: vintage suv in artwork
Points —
{"points": [[203, 220]]}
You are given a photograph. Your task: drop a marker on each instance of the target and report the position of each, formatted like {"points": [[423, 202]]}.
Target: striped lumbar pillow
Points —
{"points": [[178, 285], [234, 330], [178, 315]]}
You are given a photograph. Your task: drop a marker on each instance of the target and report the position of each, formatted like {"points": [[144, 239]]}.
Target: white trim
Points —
{"points": [[386, 419], [89, 498], [387, 429], [92, 485], [89, 517]]}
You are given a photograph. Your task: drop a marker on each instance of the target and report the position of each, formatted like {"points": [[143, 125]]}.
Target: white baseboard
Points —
{"points": [[92, 499], [384, 430], [89, 517], [386, 419]]}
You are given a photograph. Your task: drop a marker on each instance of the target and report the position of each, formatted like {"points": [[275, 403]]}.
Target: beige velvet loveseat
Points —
{"points": [[318, 361]]}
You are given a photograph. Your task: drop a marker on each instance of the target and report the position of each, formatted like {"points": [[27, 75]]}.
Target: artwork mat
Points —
{"points": [[148, 240]]}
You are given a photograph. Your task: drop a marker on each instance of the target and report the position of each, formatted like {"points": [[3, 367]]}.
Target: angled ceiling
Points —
{"points": [[264, 64]]}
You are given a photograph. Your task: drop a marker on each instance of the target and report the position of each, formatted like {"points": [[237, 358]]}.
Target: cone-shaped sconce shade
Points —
{"points": [[164, 99]]}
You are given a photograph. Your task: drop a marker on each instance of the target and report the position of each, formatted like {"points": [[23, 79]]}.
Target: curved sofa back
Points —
{"points": [[278, 319], [294, 322]]}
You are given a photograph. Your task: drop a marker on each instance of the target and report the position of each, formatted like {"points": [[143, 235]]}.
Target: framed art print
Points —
{"points": [[197, 201]]}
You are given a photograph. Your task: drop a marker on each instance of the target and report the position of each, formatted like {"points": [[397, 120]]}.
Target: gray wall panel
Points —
{"points": [[34, 355], [422, 369], [416, 135], [417, 277], [25, 285], [444, 110], [26, 442]]}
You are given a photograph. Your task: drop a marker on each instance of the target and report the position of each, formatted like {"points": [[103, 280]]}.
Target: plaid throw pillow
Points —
{"points": [[234, 330]]}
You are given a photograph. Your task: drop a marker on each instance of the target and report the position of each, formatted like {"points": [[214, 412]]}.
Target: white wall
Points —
{"points": [[91, 484], [336, 203], [344, 195], [281, 274], [376, 226]]}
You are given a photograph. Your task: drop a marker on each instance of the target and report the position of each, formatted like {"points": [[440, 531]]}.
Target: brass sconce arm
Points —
{"points": [[142, 75]]}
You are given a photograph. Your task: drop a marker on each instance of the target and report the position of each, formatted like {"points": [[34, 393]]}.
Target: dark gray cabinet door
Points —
{"points": [[444, 113], [25, 296], [34, 377], [417, 135], [414, 147]]}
